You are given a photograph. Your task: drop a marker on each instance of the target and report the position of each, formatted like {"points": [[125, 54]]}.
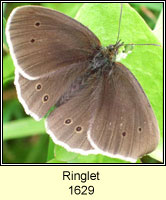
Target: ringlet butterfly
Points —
{"points": [[100, 106]]}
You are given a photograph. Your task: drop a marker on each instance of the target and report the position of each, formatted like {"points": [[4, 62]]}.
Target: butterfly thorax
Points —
{"points": [[105, 57], [113, 50]]}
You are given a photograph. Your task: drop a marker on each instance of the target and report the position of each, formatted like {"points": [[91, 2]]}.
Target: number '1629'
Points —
{"points": [[81, 190]]}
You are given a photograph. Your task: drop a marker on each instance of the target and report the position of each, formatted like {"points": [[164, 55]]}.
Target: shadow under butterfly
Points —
{"points": [[100, 106]]}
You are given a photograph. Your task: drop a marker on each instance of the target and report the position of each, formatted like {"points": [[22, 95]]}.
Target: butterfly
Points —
{"points": [[100, 106]]}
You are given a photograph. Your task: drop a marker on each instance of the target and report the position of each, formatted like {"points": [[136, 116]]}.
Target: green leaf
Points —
{"points": [[4, 35], [70, 157], [148, 159], [54, 160], [4, 9], [95, 159], [26, 150], [145, 62], [22, 128], [8, 68], [63, 155], [39, 151], [69, 9], [51, 147], [9, 109]]}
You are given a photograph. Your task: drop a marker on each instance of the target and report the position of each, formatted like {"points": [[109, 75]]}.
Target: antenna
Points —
{"points": [[119, 22], [144, 44], [118, 41]]}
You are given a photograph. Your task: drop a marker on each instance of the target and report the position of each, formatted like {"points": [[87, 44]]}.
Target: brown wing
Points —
{"points": [[69, 123], [38, 96], [43, 41], [124, 124], [113, 113]]}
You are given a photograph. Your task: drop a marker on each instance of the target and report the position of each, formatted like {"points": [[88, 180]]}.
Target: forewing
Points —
{"points": [[43, 41]]}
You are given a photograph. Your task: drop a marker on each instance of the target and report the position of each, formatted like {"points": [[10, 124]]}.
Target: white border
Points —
{"points": [[133, 160], [22, 101], [66, 146]]}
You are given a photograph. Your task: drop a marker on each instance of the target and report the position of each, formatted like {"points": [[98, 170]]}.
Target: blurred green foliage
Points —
{"points": [[24, 139]]}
